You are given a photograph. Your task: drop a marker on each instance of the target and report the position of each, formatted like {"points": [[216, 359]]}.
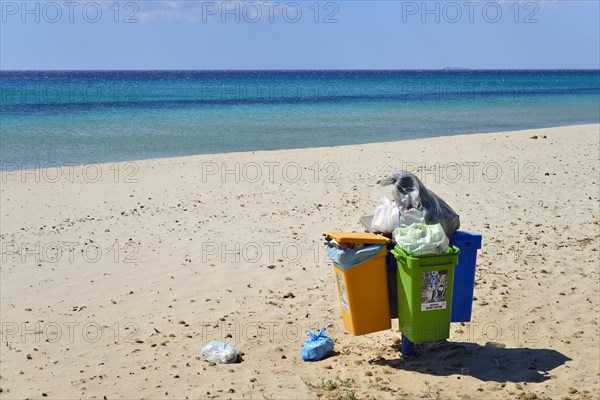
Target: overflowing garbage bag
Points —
{"points": [[412, 216], [317, 346], [220, 352], [348, 255], [410, 194], [421, 240], [388, 217]]}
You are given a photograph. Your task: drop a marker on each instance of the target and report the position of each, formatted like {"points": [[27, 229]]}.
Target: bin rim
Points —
{"points": [[453, 251], [464, 237], [358, 237]]}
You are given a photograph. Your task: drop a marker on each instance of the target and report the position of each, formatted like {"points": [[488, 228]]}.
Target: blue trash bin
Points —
{"points": [[464, 274]]}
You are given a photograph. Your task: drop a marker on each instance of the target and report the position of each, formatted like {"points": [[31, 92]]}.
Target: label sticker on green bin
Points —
{"points": [[433, 290], [342, 292]]}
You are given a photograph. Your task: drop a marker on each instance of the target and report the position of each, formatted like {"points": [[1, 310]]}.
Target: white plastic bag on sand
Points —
{"points": [[387, 216], [421, 239], [220, 352]]}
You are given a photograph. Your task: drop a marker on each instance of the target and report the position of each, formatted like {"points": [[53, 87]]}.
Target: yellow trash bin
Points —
{"points": [[362, 288]]}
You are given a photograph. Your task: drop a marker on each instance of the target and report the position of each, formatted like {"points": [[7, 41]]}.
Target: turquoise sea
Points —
{"points": [[58, 117]]}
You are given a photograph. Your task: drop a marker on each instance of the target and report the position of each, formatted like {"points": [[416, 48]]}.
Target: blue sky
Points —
{"points": [[299, 35]]}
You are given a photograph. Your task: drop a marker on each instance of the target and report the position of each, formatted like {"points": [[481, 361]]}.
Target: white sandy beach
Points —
{"points": [[114, 276]]}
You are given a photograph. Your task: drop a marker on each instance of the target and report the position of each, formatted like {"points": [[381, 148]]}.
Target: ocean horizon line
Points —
{"points": [[451, 69]]}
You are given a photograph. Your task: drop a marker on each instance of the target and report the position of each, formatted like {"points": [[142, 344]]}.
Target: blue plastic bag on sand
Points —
{"points": [[317, 347]]}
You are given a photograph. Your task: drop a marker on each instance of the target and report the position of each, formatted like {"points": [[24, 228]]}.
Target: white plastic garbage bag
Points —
{"points": [[220, 352], [387, 216], [420, 239]]}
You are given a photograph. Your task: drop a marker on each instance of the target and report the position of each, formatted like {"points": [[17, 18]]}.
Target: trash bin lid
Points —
{"points": [[464, 239], [358, 237]]}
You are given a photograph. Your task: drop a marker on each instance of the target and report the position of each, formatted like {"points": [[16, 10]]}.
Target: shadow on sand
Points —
{"points": [[491, 362]]}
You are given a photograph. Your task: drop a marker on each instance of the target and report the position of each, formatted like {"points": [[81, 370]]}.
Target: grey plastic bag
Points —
{"points": [[409, 192]]}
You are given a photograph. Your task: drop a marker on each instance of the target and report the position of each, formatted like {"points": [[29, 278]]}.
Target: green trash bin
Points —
{"points": [[425, 294]]}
